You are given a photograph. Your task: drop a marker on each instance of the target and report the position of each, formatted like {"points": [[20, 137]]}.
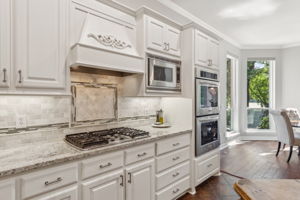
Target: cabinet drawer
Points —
{"points": [[46, 180], [139, 153], [174, 190], [173, 144], [101, 164], [204, 168], [171, 159], [166, 178]]}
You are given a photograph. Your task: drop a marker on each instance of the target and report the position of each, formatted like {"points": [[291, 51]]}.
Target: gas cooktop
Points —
{"points": [[96, 139]]}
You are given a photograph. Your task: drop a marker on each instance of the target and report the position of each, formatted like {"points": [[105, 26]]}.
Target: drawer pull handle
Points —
{"points": [[175, 191], [20, 76], [141, 155], [176, 144], [209, 165], [129, 177], [104, 166], [122, 180], [4, 75], [176, 174], [176, 158], [59, 179]]}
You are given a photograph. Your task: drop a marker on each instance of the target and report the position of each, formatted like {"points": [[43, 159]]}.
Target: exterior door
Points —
{"points": [[140, 181], [40, 30], [110, 187]]}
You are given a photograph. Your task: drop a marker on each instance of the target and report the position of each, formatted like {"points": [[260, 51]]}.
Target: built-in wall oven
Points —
{"points": [[163, 74], [207, 110]]}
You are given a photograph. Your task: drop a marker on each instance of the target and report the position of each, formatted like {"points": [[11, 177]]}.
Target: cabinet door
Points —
{"points": [[172, 38], [155, 34], [5, 66], [140, 181], [7, 190], [214, 52], [110, 187], [40, 30], [64, 194], [201, 49]]}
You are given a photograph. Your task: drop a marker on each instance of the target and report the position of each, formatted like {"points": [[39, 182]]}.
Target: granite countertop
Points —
{"points": [[41, 154]]}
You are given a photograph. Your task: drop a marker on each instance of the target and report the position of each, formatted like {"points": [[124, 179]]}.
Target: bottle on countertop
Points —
{"points": [[161, 116]]}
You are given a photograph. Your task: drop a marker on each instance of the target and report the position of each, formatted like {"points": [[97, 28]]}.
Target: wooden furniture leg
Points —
{"points": [[278, 149]]}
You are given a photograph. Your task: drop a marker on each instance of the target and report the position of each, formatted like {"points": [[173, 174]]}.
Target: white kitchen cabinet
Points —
{"points": [[201, 49], [109, 186], [64, 194], [5, 63], [162, 37], [7, 190], [140, 181], [40, 43], [206, 50]]}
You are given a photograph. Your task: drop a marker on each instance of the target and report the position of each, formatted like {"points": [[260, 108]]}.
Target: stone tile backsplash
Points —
{"points": [[49, 110], [38, 110]]}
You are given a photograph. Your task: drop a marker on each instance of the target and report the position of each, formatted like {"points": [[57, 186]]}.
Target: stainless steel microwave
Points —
{"points": [[163, 74]]}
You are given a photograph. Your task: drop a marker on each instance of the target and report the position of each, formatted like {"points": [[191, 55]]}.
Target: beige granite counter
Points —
{"points": [[39, 154]]}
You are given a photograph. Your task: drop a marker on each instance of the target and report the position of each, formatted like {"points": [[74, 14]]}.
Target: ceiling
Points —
{"points": [[250, 22]]}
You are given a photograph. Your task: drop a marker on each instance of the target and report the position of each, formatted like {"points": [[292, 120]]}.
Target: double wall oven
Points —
{"points": [[207, 110]]}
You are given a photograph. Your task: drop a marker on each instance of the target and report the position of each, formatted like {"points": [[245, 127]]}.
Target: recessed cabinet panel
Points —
{"points": [[155, 34], [110, 187], [7, 190], [201, 49], [64, 194], [172, 39], [40, 28], [140, 181], [5, 65], [214, 52]]}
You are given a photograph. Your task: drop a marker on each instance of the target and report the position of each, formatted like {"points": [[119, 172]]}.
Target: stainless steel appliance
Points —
{"points": [[96, 139], [207, 92], [207, 134], [163, 74]]}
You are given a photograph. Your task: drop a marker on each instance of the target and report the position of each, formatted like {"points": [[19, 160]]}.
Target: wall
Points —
{"points": [[290, 77]]}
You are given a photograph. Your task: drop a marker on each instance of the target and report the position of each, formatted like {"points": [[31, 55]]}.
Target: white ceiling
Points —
{"points": [[250, 22]]}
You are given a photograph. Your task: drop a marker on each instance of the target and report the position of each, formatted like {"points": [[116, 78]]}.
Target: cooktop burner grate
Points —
{"points": [[95, 139]]}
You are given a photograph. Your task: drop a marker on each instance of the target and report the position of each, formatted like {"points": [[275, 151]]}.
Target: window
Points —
{"points": [[231, 93], [259, 93]]}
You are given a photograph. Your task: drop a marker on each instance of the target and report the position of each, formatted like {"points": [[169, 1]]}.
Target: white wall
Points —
{"points": [[291, 77]]}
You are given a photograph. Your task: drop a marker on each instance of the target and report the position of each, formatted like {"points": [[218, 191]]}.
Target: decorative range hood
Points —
{"points": [[106, 38]]}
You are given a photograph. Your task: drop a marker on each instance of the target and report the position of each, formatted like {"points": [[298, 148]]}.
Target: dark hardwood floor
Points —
{"points": [[252, 160]]}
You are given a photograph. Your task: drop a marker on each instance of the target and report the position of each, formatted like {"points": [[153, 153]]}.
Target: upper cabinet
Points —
{"points": [[206, 50], [5, 62], [162, 37], [40, 43]]}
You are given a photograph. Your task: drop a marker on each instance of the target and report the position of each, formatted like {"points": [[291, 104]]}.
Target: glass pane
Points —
{"points": [[258, 76], [163, 74], [209, 97], [209, 132], [228, 96]]}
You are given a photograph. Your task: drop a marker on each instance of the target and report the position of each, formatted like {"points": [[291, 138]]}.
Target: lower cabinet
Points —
{"points": [[140, 181], [64, 194], [7, 190], [110, 187]]}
